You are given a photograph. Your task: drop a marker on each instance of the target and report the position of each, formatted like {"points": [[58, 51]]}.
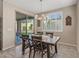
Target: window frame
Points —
{"points": [[55, 30]]}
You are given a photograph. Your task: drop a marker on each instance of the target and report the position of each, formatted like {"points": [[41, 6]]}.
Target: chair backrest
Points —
{"points": [[24, 40], [40, 33], [37, 40], [50, 34], [30, 43], [24, 37]]}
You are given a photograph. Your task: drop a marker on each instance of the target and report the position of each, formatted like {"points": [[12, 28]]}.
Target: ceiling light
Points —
{"points": [[40, 16]]}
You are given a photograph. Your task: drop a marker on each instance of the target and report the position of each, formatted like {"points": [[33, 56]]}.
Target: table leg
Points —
{"points": [[23, 47], [48, 51], [56, 48]]}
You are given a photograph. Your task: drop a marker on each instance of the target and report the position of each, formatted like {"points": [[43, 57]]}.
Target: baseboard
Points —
{"points": [[68, 44], [7, 48], [78, 49]]}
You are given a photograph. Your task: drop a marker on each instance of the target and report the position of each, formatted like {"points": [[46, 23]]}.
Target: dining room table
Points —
{"points": [[50, 41]]}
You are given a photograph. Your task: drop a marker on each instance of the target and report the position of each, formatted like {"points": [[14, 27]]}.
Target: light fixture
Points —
{"points": [[40, 16]]}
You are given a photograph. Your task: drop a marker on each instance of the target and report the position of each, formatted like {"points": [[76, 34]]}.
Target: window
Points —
{"points": [[27, 27], [53, 22], [30, 25]]}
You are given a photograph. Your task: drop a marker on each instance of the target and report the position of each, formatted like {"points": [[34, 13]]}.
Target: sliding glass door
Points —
{"points": [[25, 26]]}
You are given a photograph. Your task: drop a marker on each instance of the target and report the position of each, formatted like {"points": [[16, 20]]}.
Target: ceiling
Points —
{"points": [[47, 5]]}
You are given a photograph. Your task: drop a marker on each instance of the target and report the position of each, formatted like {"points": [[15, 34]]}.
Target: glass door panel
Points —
{"points": [[30, 26]]}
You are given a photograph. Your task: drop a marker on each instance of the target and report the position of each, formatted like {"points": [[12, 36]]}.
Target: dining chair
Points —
{"points": [[27, 41], [40, 33], [51, 36], [24, 43], [30, 46], [39, 45]]}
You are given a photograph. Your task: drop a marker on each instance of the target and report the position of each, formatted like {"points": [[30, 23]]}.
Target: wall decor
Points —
{"points": [[68, 20], [38, 23]]}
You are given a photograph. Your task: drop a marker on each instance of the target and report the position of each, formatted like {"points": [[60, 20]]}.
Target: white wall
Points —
{"points": [[1, 8], [9, 24], [78, 25], [68, 36], [1, 16]]}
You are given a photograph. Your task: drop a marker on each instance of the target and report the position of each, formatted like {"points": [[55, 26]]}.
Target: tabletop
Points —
{"points": [[47, 39]]}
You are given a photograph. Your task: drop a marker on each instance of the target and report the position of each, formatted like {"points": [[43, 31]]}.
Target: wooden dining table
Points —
{"points": [[50, 41]]}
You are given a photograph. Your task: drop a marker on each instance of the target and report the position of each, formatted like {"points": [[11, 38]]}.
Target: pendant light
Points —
{"points": [[40, 16]]}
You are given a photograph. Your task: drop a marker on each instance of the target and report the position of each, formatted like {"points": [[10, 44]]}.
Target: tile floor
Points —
{"points": [[63, 52]]}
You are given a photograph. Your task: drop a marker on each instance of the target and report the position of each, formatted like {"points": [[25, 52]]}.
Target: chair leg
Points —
{"points": [[42, 54], [23, 49], [39, 52], [30, 52], [34, 53], [51, 47], [56, 48]]}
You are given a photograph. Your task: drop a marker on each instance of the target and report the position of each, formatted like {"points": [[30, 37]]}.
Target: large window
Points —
{"points": [[53, 22]]}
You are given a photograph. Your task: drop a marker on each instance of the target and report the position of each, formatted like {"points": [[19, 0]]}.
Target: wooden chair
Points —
{"points": [[24, 43], [50, 34], [30, 42], [39, 46], [40, 33]]}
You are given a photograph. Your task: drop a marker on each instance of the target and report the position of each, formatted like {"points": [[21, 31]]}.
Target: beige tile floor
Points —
{"points": [[63, 52]]}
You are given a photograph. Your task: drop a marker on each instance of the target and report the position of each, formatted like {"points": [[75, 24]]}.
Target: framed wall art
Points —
{"points": [[68, 21]]}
